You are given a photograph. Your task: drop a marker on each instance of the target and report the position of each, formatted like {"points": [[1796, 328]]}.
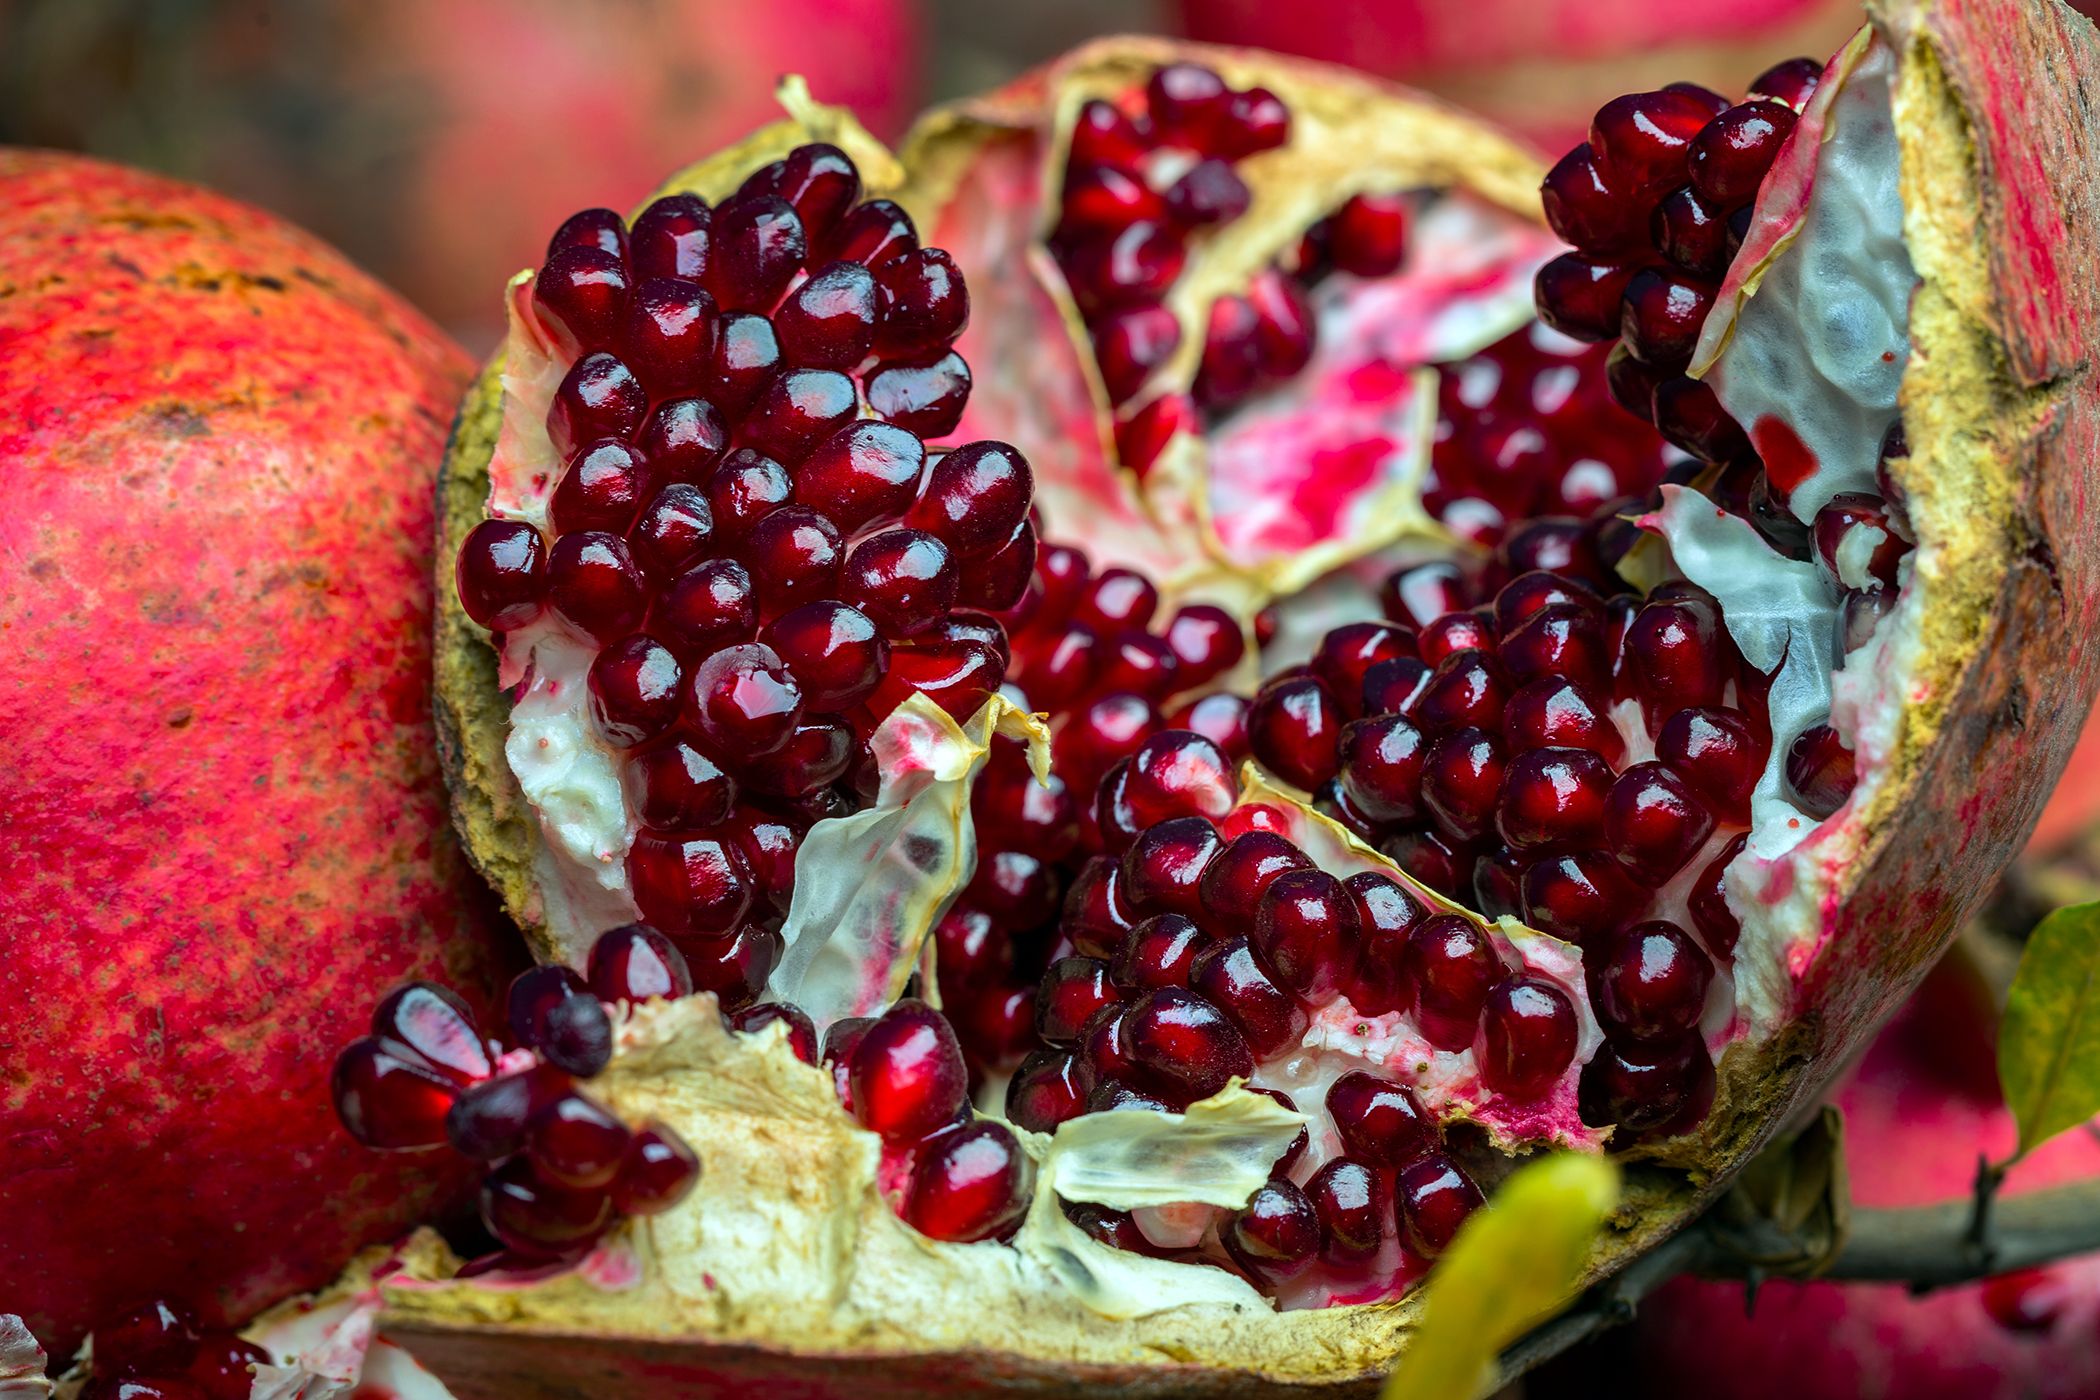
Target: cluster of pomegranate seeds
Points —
{"points": [[562, 1168], [1657, 203], [750, 529], [1526, 428], [1191, 957], [158, 1351], [902, 1076]]}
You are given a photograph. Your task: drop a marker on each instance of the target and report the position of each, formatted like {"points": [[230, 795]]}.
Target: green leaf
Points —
{"points": [[1515, 1263], [2049, 1041]]}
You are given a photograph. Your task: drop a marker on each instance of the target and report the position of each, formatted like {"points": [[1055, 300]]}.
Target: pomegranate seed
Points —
{"points": [[1433, 1196], [820, 181], [434, 1023], [159, 1336], [745, 701], [1575, 897], [735, 968], [657, 1173], [1049, 1088], [1294, 727], [491, 1119], [1072, 991], [904, 579], [815, 756], [1653, 823], [1467, 687], [1353, 1207], [1180, 773], [670, 238], [1729, 158], [1456, 632], [1461, 779], [1674, 648], [1096, 913], [1283, 324], [970, 950], [1232, 976], [907, 1073], [1134, 265], [1105, 198], [224, 1368], [538, 1218], [1792, 82], [595, 584], [674, 532], [873, 233], [634, 963], [1103, 135], [581, 297], [970, 1184], [1386, 914], [591, 228], [598, 398], [1379, 1121], [1306, 929], [1859, 613], [1498, 883], [1691, 233], [799, 409], [689, 884], [1430, 858], [577, 1143], [1579, 296], [676, 787], [1528, 1035], [1116, 599], [1255, 120], [1368, 235], [833, 653], [1422, 594], [1688, 414], [1187, 103], [1346, 654], [758, 244], [1553, 798], [1234, 884], [1130, 344], [1560, 640], [551, 1010], [1108, 730], [743, 490], [1708, 900], [1555, 713], [975, 498], [1856, 546], [1220, 717], [801, 1032], [1645, 1087], [955, 675], [1275, 1234], [1395, 687], [866, 472], [1208, 192], [1184, 1045], [829, 322], [1661, 315], [1112, 1096], [1586, 207], [670, 336], [1381, 770], [1164, 867], [1643, 138], [1719, 755], [1013, 809], [502, 574], [635, 687], [1102, 1048], [1159, 952], [926, 398], [389, 1097], [839, 1043], [1651, 984], [1453, 966], [924, 303], [747, 358], [997, 581], [1819, 771]]}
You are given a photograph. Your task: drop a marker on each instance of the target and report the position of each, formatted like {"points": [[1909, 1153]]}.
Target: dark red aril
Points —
{"points": [[575, 1142], [1453, 965], [538, 1218], [1305, 927], [675, 532], [976, 497], [698, 883], [595, 584], [1643, 137], [1232, 977], [670, 337], [1528, 1036], [670, 238], [491, 1119], [657, 1173], [796, 410], [1729, 158], [389, 1097], [437, 1025], [1183, 1045], [634, 963], [1354, 1209], [598, 398], [801, 1032], [636, 687], [1275, 1234], [502, 574], [1433, 1196], [159, 1336], [747, 357], [923, 396], [758, 244], [1654, 823], [1819, 770], [551, 1010], [745, 701], [1294, 727], [1049, 1087], [1379, 1121], [924, 303], [970, 1184], [1651, 983], [907, 1073], [581, 297]]}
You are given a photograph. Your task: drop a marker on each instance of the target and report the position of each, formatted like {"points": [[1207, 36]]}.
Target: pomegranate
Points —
{"points": [[1427, 766], [1919, 1107], [228, 828]]}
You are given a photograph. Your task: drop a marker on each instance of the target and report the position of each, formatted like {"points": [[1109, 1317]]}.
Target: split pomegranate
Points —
{"points": [[1428, 767], [226, 822]]}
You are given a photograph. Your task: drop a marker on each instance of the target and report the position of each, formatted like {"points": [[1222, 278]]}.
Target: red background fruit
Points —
{"points": [[224, 826]]}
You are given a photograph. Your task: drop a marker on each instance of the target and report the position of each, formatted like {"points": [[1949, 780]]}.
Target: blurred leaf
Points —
{"points": [[1515, 1263], [2049, 1041]]}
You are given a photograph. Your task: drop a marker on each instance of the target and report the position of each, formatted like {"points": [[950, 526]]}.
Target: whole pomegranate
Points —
{"points": [[226, 831], [1919, 1108], [1115, 713]]}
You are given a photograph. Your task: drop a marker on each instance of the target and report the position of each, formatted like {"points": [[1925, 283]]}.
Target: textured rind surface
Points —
{"points": [[225, 830], [2002, 410]]}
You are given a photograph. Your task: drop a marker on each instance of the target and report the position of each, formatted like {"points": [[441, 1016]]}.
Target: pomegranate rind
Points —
{"points": [[985, 173], [2000, 404], [225, 828]]}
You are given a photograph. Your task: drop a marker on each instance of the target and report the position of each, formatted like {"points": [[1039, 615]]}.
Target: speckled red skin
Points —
{"points": [[224, 830]]}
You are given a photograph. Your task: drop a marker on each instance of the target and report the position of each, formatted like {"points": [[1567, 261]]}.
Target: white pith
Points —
{"points": [[1775, 609]]}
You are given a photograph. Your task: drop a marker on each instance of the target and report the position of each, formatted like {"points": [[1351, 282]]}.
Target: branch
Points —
{"points": [[1926, 1247]]}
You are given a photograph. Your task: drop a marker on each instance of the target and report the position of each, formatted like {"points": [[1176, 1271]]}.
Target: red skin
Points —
{"points": [[1920, 1106], [226, 830]]}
